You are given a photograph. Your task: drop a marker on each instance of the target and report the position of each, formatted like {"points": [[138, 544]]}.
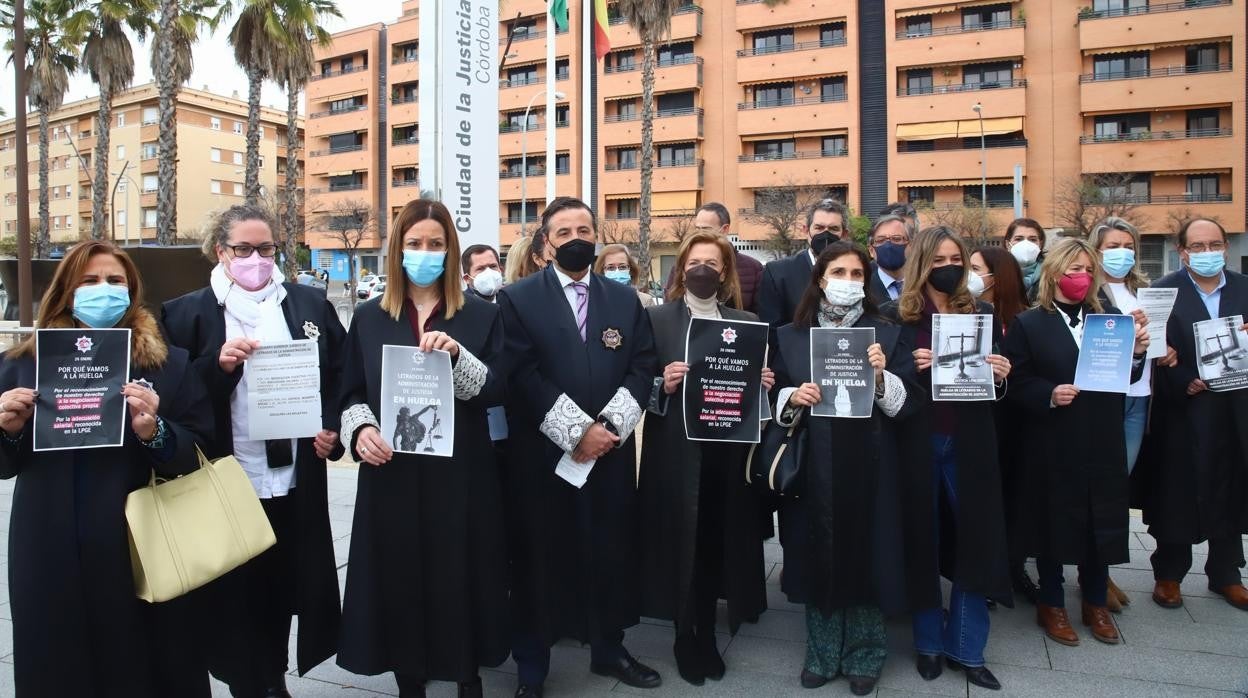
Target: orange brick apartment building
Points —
{"points": [[868, 99]]}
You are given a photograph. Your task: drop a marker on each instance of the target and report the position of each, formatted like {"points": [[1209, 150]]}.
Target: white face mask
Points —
{"points": [[841, 293], [487, 282], [1026, 252], [975, 284]]}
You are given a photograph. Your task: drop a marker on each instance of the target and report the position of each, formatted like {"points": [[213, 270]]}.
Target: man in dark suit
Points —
{"points": [[887, 241], [785, 280], [713, 217], [581, 361], [1197, 485]]}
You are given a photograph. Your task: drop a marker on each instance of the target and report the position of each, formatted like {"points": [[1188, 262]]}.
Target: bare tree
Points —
{"points": [[968, 219], [780, 209], [677, 230], [613, 232], [1176, 218], [1083, 201], [351, 223]]}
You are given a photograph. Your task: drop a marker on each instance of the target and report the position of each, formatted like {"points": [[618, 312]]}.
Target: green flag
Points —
{"points": [[559, 13]]}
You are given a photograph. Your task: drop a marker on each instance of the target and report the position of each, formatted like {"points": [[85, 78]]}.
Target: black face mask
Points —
{"points": [[821, 241], [702, 281], [575, 256], [946, 279]]}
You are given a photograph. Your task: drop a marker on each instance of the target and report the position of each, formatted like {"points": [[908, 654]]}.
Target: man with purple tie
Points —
{"points": [[581, 361]]}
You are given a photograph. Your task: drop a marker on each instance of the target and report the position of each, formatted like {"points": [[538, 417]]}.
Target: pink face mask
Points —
{"points": [[252, 273]]}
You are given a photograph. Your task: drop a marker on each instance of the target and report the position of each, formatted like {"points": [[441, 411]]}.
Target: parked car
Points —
{"points": [[377, 290], [366, 285]]}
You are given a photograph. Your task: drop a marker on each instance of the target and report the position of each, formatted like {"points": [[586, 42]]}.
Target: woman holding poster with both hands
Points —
{"points": [[426, 591], [78, 627]]}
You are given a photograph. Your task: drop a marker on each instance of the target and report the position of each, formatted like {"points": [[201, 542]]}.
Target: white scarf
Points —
{"points": [[702, 308], [258, 312]]}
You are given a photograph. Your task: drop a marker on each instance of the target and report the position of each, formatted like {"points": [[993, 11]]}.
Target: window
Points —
{"points": [[238, 189], [775, 200], [121, 152], [121, 119], [1202, 121], [986, 17], [1202, 58], [238, 128], [516, 121], [406, 93], [121, 218], [835, 146], [1152, 255], [773, 95], [405, 176], [514, 212], [69, 221], [1119, 7], [347, 64], [627, 208], [1120, 65], [238, 157], [1137, 190], [150, 183], [919, 82], [832, 34], [260, 130], [832, 89], [215, 155], [986, 75], [623, 61], [627, 110], [1202, 187], [916, 195], [525, 75], [56, 222], [69, 191], [677, 103], [775, 150], [348, 182], [919, 26], [150, 151], [327, 68], [773, 41], [408, 52], [676, 54], [348, 104], [561, 69], [627, 158], [561, 115], [260, 162], [214, 123], [677, 155], [149, 218], [345, 142], [1121, 126], [121, 186], [150, 115], [563, 163], [214, 186], [999, 195]]}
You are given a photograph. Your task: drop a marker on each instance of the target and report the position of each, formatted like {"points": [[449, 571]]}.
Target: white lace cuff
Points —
{"points": [[469, 375], [354, 418], [566, 423], [786, 414], [624, 413], [894, 395]]}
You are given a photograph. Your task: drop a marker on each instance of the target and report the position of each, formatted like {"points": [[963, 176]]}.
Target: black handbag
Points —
{"points": [[774, 465]]}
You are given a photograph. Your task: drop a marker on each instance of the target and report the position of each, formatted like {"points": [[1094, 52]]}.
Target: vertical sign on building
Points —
{"points": [[459, 113]]}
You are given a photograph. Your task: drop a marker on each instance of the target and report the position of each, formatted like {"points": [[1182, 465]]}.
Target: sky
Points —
{"points": [[215, 70]]}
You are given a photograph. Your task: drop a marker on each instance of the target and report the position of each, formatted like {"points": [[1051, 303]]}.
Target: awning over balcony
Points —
{"points": [[622, 197], [965, 128], [940, 9], [954, 182], [674, 201], [344, 95], [1185, 173]]}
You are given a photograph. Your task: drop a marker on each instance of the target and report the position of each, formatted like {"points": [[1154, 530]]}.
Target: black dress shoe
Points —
{"points": [[471, 689], [978, 675], [812, 680], [712, 663], [861, 685], [1023, 586], [929, 666], [629, 671], [689, 660], [529, 691]]}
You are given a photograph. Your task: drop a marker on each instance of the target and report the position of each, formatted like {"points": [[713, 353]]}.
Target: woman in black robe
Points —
{"points": [[426, 590], [1073, 456], [855, 539], [78, 627], [700, 529], [957, 441]]}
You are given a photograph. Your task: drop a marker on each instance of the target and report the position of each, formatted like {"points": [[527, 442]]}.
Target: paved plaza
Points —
{"points": [[1198, 650]]}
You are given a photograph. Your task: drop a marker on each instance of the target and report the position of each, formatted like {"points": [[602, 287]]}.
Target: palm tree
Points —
{"points": [[259, 38], [109, 59], [652, 20], [176, 31], [303, 26], [52, 53]]}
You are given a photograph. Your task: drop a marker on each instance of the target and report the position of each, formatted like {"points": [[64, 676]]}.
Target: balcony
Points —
{"points": [[789, 115], [337, 188], [995, 41], [962, 162], [953, 102], [794, 60], [344, 159], [960, 29], [324, 86], [670, 126], [1088, 13], [514, 141], [903, 91], [682, 74], [337, 150], [755, 14], [338, 112], [1175, 87], [327, 74], [509, 184], [1157, 24], [1156, 152], [761, 171], [686, 24], [1156, 136], [669, 176]]}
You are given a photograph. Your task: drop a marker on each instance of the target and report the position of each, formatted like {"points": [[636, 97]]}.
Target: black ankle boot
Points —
{"points": [[712, 663], [689, 659]]}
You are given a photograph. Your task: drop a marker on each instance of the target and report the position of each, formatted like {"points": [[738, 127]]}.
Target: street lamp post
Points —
{"points": [[524, 156], [983, 160], [112, 207]]}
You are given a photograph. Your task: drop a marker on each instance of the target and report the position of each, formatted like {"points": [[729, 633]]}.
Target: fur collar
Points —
{"points": [[147, 344]]}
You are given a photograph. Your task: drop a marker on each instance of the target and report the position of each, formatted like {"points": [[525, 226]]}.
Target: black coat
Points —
{"points": [[972, 538], [1074, 457], [574, 552], [860, 533], [784, 282], [1195, 471], [669, 484], [875, 287], [196, 322], [78, 628], [427, 573]]}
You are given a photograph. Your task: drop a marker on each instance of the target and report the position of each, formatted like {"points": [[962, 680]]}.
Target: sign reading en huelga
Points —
{"points": [[839, 366], [79, 374], [417, 401], [721, 389]]}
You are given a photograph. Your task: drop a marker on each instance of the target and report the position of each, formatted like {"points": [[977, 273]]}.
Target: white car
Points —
{"points": [[377, 290], [366, 284]]}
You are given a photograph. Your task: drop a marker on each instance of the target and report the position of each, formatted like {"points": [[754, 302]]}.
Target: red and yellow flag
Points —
{"points": [[602, 44]]}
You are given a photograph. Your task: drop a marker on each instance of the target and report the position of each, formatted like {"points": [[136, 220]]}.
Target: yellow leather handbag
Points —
{"points": [[188, 531]]}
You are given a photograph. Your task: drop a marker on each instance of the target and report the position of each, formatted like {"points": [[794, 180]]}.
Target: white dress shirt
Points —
{"points": [[565, 282]]}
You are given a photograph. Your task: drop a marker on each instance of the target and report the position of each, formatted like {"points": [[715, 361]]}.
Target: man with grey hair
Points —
{"points": [[785, 280], [887, 241]]}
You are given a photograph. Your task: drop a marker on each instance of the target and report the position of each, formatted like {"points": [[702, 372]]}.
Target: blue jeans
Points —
{"points": [[1135, 416], [962, 633]]}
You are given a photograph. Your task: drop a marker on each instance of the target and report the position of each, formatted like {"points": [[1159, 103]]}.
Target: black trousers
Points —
{"points": [[708, 563], [269, 581], [1172, 561]]}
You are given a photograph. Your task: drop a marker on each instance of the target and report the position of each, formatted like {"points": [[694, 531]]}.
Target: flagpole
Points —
{"points": [[588, 66], [552, 36]]}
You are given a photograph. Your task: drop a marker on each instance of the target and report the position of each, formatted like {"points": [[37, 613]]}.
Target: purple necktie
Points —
{"points": [[582, 305]]}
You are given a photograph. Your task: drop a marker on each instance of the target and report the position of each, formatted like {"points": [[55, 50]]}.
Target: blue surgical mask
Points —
{"points": [[423, 268], [1118, 262], [622, 276], [890, 256], [1206, 264], [101, 305]]}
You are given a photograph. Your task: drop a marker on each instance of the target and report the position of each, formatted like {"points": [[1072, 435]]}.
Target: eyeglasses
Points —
{"points": [[895, 239], [1198, 247], [243, 251]]}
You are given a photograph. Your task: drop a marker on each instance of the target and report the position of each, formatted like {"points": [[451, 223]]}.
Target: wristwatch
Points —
{"points": [[157, 441], [606, 424]]}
